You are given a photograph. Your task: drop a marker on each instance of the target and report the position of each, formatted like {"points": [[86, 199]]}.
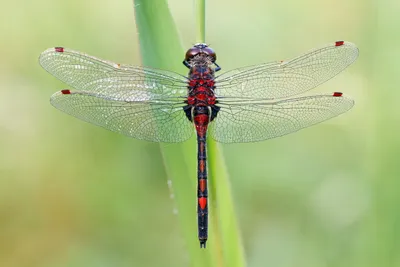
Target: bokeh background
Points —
{"points": [[72, 194]]}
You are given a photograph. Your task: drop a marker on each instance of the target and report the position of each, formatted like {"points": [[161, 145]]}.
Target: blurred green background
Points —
{"points": [[72, 194]]}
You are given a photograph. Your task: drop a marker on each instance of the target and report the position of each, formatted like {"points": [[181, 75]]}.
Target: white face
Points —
{"points": [[202, 60]]}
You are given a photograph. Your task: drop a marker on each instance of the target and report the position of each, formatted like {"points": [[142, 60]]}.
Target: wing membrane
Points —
{"points": [[243, 120], [276, 80], [88, 73], [139, 102], [158, 121]]}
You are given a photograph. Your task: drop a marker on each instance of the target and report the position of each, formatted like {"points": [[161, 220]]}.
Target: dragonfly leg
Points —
{"points": [[186, 64], [217, 68]]}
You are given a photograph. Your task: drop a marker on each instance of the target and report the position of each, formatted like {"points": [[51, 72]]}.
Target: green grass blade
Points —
{"points": [[223, 207], [161, 48], [201, 22]]}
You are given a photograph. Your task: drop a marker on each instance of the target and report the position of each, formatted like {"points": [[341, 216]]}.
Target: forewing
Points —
{"points": [[256, 120], [282, 79], [158, 121], [139, 102], [88, 73]]}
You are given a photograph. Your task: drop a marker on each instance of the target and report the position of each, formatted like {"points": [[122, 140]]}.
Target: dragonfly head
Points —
{"points": [[200, 54]]}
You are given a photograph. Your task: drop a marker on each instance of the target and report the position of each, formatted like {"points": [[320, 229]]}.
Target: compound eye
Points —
{"points": [[191, 53], [209, 51]]}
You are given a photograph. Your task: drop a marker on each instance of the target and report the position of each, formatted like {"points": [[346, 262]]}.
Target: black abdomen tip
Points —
{"points": [[203, 243]]}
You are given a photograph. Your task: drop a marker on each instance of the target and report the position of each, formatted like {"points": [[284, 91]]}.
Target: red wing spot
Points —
{"points": [[203, 202], [337, 94], [65, 92], [59, 49], [339, 43]]}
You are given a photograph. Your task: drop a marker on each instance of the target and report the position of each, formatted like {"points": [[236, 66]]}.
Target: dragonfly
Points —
{"points": [[247, 104]]}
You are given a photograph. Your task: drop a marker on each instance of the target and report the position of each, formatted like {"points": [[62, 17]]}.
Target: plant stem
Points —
{"points": [[225, 242], [160, 47], [200, 19]]}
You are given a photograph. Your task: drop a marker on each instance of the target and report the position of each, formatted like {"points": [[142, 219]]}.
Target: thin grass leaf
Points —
{"points": [[161, 48]]}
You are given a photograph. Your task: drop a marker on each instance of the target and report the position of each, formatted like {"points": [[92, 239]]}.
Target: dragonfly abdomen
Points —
{"points": [[201, 117], [202, 192]]}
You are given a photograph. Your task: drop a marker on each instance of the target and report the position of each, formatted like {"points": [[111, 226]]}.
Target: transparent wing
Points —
{"points": [[287, 78], [88, 73], [158, 121], [242, 120], [139, 102]]}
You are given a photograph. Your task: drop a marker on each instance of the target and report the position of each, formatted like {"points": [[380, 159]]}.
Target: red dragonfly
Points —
{"points": [[247, 104]]}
